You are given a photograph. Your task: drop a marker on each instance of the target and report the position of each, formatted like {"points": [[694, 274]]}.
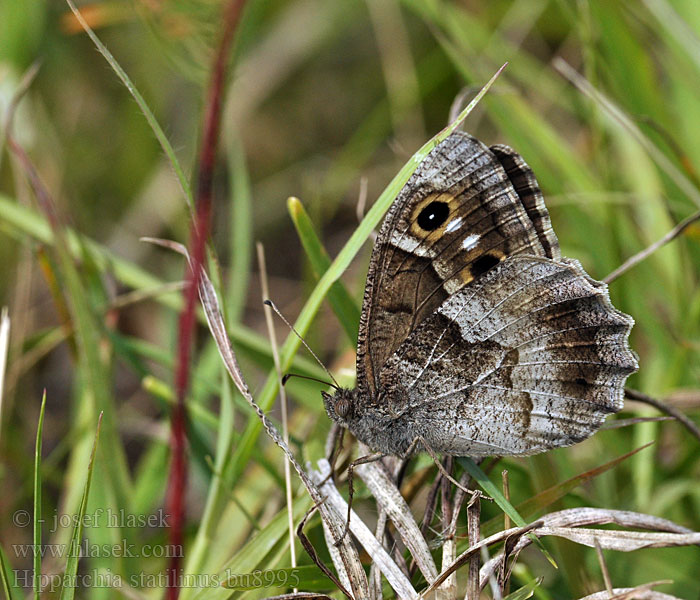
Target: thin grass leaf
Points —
{"points": [[618, 115], [9, 586], [241, 227], [150, 117], [26, 220], [527, 591], [37, 500], [71, 570], [253, 555], [196, 412], [340, 299], [87, 329], [549, 496], [219, 489], [307, 577], [264, 288], [338, 266], [490, 488]]}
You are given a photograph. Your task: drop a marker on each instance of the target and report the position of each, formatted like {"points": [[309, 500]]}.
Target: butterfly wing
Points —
{"points": [[531, 356], [465, 209], [528, 190]]}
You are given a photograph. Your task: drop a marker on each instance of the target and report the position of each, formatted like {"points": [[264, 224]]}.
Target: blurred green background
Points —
{"points": [[322, 97]]}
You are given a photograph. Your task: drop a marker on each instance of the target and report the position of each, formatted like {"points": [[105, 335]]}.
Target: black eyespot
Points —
{"points": [[581, 381], [433, 215], [484, 263]]}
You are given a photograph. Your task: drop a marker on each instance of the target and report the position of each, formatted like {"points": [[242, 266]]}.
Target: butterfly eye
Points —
{"points": [[342, 407], [433, 215]]}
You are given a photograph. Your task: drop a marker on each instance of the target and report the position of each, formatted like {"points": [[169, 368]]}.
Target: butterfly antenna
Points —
{"points": [[271, 304], [288, 376]]}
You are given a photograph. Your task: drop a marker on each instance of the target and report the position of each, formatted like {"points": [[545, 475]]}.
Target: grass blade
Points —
{"points": [[549, 496], [490, 488], [150, 117], [37, 500], [340, 299], [68, 589], [8, 587], [526, 591]]}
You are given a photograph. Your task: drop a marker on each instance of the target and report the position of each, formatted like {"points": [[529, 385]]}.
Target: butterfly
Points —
{"points": [[477, 338]]}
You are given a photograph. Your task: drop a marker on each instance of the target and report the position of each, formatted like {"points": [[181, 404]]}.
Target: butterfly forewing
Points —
{"points": [[457, 218], [528, 190]]}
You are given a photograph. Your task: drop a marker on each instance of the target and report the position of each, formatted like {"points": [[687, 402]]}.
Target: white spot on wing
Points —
{"points": [[471, 241], [453, 225], [411, 245]]}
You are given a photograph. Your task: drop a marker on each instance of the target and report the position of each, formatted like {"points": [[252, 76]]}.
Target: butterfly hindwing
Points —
{"points": [[532, 356]]}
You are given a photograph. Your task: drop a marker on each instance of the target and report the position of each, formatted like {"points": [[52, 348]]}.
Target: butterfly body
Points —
{"points": [[476, 337]]}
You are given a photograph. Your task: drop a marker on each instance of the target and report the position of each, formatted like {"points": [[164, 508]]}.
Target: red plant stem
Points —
{"points": [[198, 236]]}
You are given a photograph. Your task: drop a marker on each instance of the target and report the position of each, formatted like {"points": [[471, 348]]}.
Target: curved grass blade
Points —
{"points": [[9, 586], [150, 117], [340, 299], [37, 501], [549, 496], [490, 488], [337, 267], [68, 589], [308, 578], [253, 555], [22, 219], [526, 591], [241, 230]]}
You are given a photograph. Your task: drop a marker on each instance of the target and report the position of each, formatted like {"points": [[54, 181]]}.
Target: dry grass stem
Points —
{"points": [[665, 408], [649, 250], [283, 395]]}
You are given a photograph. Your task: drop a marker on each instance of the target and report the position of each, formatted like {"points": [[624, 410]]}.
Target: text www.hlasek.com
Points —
{"points": [[88, 550]]}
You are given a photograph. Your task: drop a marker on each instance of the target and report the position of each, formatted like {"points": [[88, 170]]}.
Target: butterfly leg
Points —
{"points": [[334, 445], [442, 470], [363, 460], [311, 551]]}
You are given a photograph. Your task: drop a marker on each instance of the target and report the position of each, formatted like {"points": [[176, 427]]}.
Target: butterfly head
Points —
{"points": [[339, 406]]}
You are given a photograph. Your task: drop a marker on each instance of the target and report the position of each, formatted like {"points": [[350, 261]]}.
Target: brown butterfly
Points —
{"points": [[476, 337]]}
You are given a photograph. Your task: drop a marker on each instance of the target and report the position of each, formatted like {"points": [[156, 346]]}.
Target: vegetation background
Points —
{"points": [[323, 96]]}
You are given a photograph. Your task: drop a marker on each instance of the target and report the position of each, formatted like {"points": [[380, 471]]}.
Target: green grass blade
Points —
{"points": [[11, 590], [335, 270], [241, 228], [37, 500], [342, 303], [526, 591], [253, 555], [551, 495], [68, 589], [219, 489], [88, 333], [308, 578], [490, 488], [22, 219], [150, 117]]}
